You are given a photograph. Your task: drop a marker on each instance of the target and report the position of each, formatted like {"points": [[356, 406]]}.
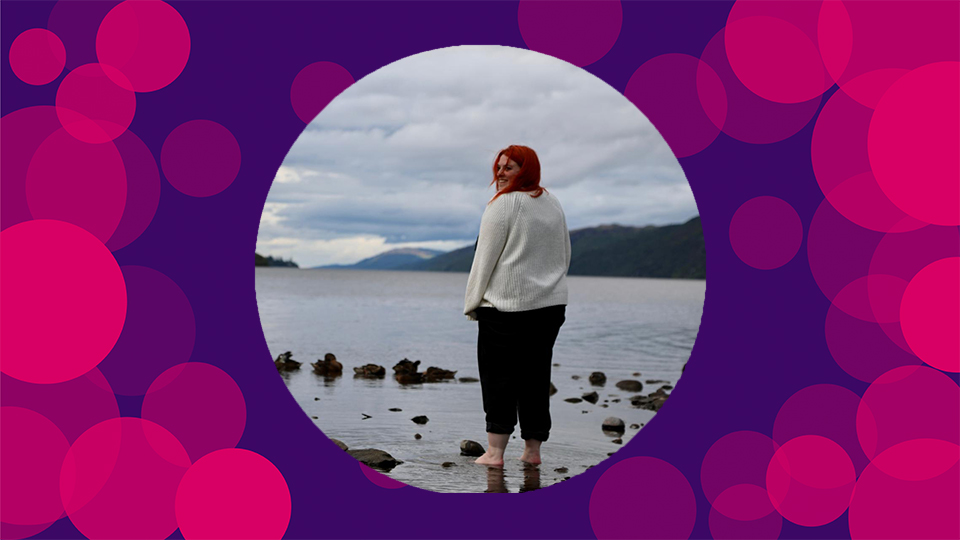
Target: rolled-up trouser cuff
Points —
{"points": [[541, 436], [499, 429]]}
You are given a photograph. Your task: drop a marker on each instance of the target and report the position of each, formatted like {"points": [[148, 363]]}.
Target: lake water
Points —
{"points": [[620, 326]]}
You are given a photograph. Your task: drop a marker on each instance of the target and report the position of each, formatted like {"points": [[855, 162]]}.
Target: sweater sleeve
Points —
{"points": [[494, 228], [569, 251]]}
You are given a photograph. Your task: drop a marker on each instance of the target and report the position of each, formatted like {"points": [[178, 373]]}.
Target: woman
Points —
{"points": [[517, 290]]}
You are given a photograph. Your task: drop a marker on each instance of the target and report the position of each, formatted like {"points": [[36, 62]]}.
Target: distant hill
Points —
{"points": [[670, 251], [390, 260], [270, 261]]}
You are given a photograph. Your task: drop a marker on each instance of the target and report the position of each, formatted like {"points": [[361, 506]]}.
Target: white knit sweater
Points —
{"points": [[522, 256]]}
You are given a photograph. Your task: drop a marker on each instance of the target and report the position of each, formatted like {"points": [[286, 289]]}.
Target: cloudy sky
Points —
{"points": [[403, 157]]}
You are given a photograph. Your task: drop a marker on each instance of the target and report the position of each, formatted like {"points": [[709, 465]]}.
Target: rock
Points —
{"points": [[421, 420], [468, 379], [316, 399], [448, 464], [612, 423], [377, 459], [655, 381], [630, 385], [651, 402], [618, 440], [604, 405], [634, 426], [409, 378], [597, 378], [340, 444], [435, 374], [573, 400], [315, 417], [636, 374], [556, 365], [370, 371], [611, 453], [668, 387], [471, 448], [592, 397], [285, 362], [417, 436], [365, 416], [575, 377], [561, 470], [395, 409], [615, 400], [553, 389], [584, 412], [406, 366], [328, 366]]}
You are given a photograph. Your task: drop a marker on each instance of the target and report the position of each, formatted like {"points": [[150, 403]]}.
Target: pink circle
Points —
{"points": [[872, 298], [92, 106], [775, 59], [810, 480], [884, 506], [578, 32], [200, 404], [120, 477], [614, 512], [831, 233], [748, 117], [30, 465], [37, 56], [147, 41], [58, 401], [68, 314], [912, 142], [834, 37], [315, 86], [379, 479], [918, 459], [744, 511], [737, 458], [80, 183], [143, 190], [200, 158], [826, 410], [930, 314], [911, 402], [766, 232], [861, 348], [21, 133], [867, 89], [669, 83], [213, 501]]}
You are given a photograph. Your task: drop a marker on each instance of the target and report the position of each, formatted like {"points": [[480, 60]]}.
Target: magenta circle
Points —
{"points": [[669, 83], [80, 183], [213, 501], [579, 32], [147, 41], [884, 506], [910, 402], [861, 348], [930, 314], [766, 232], [21, 133], [92, 106], [810, 479], [119, 480], [767, 527], [743, 502], [143, 190], [872, 298], [37, 56], [831, 233], [918, 459], [158, 334], [749, 117], [379, 479], [834, 37], [615, 514], [30, 466], [200, 404], [912, 143], [58, 401], [200, 158], [76, 24], [737, 458], [69, 315], [315, 86], [9, 531]]}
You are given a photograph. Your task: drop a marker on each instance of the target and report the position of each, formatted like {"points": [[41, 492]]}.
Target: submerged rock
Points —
{"points": [[561, 470], [370, 371], [575, 377], [421, 420], [395, 409], [471, 448], [592, 397], [630, 385], [612, 423], [339, 443], [285, 362], [468, 379], [435, 374], [448, 464], [618, 440], [417, 436], [573, 400], [655, 381], [634, 426], [651, 402], [377, 459], [597, 378], [406, 366], [328, 366], [409, 378], [553, 389]]}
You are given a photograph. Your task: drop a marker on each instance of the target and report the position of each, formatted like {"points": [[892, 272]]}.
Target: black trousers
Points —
{"points": [[514, 353]]}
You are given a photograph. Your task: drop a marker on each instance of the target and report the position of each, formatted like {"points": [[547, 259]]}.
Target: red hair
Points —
{"points": [[528, 178]]}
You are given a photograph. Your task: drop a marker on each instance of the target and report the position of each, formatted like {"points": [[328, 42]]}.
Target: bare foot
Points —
{"points": [[490, 460], [531, 458]]}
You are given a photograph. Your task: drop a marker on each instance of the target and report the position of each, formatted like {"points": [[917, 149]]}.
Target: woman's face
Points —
{"points": [[506, 171]]}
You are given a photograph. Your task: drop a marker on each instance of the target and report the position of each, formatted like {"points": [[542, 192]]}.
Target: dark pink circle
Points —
{"points": [[76, 24], [884, 506], [614, 512], [743, 502], [669, 83], [740, 457], [763, 528], [766, 232], [143, 190], [37, 56], [578, 32], [69, 315], [92, 106], [158, 334], [930, 314], [912, 142], [120, 477], [58, 401], [315, 86], [810, 480], [749, 117], [872, 298], [918, 459], [829, 234], [200, 158], [213, 501], [147, 41], [200, 404], [911, 402], [21, 133], [867, 89], [834, 37], [826, 410], [30, 463], [379, 479], [861, 348], [8, 531]]}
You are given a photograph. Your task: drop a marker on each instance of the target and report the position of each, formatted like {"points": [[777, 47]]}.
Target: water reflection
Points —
{"points": [[531, 478], [495, 481]]}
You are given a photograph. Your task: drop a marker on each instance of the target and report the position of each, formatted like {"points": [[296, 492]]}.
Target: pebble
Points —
{"points": [[417, 436], [420, 420], [634, 426], [573, 400], [448, 464], [394, 409], [618, 440], [561, 470]]}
